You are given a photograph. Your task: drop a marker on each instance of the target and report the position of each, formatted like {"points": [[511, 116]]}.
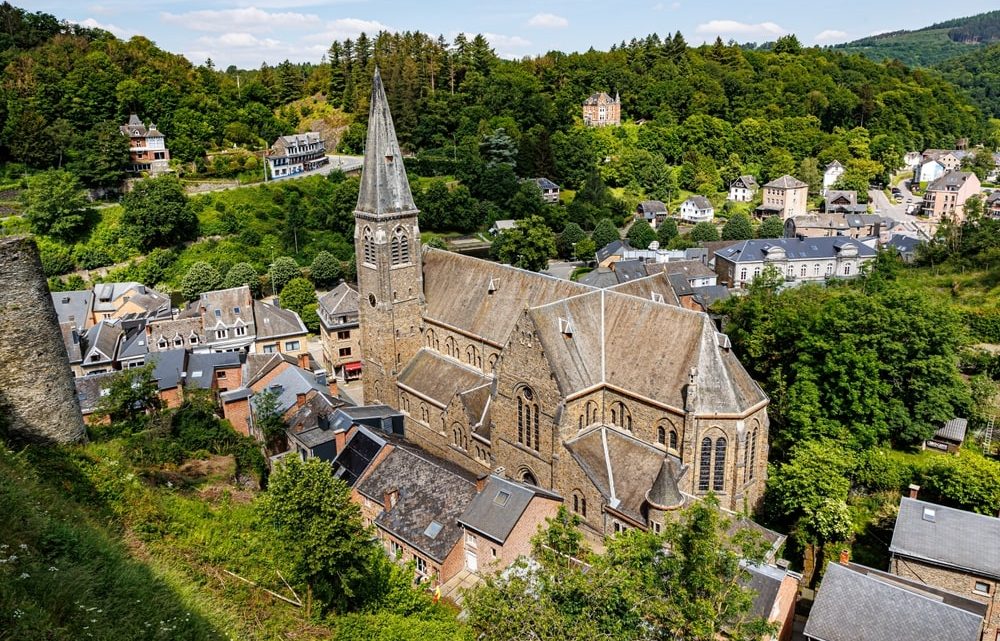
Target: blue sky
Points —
{"points": [[248, 32]]}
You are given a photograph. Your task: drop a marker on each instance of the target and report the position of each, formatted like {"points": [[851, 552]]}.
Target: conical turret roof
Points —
{"points": [[384, 187], [664, 495]]}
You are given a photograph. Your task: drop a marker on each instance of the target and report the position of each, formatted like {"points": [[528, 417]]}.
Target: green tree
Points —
{"points": [[200, 278], [969, 481], [131, 395], [527, 201], [243, 274], [528, 246], [640, 234], [771, 227], [267, 419], [325, 269], [318, 531], [570, 236], [585, 250], [704, 233], [605, 233], [297, 294], [979, 162], [283, 269], [157, 213], [666, 232], [738, 227], [100, 156], [55, 204]]}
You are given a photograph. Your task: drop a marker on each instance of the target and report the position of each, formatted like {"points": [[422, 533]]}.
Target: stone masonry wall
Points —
{"points": [[957, 581], [37, 395]]}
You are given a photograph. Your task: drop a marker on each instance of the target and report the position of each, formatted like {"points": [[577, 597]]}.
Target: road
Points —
{"points": [[345, 164], [562, 269]]}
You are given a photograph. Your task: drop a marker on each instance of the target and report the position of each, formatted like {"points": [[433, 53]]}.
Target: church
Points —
{"points": [[619, 400]]}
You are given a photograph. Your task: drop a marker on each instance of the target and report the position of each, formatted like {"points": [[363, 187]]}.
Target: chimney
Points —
{"points": [[332, 386], [340, 440], [845, 557], [914, 490], [300, 399], [304, 361], [389, 499], [481, 482]]}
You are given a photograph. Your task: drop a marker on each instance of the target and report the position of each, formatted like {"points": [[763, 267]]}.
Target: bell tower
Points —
{"points": [[387, 253]]}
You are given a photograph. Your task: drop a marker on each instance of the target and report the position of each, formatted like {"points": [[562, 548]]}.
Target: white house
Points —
{"points": [[832, 174], [743, 189], [798, 260], [928, 171], [295, 154], [697, 209], [912, 159]]}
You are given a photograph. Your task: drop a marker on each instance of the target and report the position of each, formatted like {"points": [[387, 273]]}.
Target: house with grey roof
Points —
{"points": [[600, 110], [550, 190], [294, 154], [74, 307], [100, 347], [414, 501], [168, 371], [147, 147], [904, 246], [835, 224], [946, 196], [796, 260], [176, 333], [73, 342], [339, 331], [133, 350], [653, 212], [831, 175], [992, 204], [697, 209], [775, 595], [227, 317], [278, 330], [950, 549], [786, 196], [132, 300], [856, 603], [91, 389], [743, 189], [843, 201]]}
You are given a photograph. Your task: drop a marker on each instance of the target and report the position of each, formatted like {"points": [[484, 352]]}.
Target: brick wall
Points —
{"points": [[957, 581]]}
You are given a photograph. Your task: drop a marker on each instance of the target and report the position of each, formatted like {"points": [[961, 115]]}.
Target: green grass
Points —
{"points": [[94, 549]]}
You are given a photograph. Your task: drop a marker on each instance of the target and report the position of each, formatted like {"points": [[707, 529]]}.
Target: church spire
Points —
{"points": [[384, 187]]}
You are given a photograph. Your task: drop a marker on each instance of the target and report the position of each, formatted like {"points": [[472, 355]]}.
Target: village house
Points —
{"points": [[600, 110], [946, 196], [904, 246], [950, 437], [950, 159], [949, 549], [743, 189], [121, 300], [296, 153], [180, 333], [497, 367], [550, 190], [785, 197], [500, 226], [842, 202], [168, 371], [831, 175], [928, 171], [226, 318], [857, 603], [797, 261], [697, 209], [621, 251], [74, 307], [912, 159], [147, 147], [339, 333], [653, 212], [279, 331], [828, 225], [100, 347], [992, 204], [776, 593]]}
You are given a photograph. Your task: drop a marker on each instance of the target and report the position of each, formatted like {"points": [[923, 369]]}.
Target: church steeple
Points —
{"points": [[384, 186], [387, 253]]}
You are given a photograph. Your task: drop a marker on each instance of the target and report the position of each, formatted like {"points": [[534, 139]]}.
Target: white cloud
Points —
{"points": [[248, 20], [344, 28], [124, 34], [548, 21], [736, 28], [829, 35], [507, 46], [239, 40]]}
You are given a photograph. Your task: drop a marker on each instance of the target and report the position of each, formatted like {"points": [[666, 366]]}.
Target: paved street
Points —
{"points": [[561, 268], [890, 209]]}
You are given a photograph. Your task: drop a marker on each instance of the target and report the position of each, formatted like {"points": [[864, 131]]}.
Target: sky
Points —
{"points": [[248, 32]]}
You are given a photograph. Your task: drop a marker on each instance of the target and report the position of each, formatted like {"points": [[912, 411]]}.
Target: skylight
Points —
{"points": [[433, 530], [502, 498]]}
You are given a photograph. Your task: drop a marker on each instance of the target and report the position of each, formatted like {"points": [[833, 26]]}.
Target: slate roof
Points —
{"points": [[953, 430], [950, 537], [664, 493], [615, 247], [544, 183], [786, 182], [358, 453], [290, 382], [315, 414], [993, 197], [834, 165], [650, 207], [951, 181], [456, 290], [603, 349], [690, 269], [72, 340], [73, 307], [169, 330], [439, 378], [747, 182], [903, 244], [854, 606], [219, 306], [384, 186], [628, 270], [430, 491], [201, 367], [841, 196], [274, 322], [765, 581], [105, 294], [102, 341], [655, 288], [600, 97], [167, 367], [133, 347], [88, 389], [752, 251], [342, 300], [600, 277], [496, 510], [700, 202]]}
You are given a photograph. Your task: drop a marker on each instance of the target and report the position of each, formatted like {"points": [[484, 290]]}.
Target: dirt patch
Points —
{"points": [[221, 491]]}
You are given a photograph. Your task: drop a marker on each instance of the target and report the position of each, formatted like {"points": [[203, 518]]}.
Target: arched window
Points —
{"points": [[791, 271], [673, 440], [743, 274], [404, 402], [719, 471], [620, 416], [753, 453], [458, 436], [377, 391], [450, 348], [816, 269], [425, 415], [590, 413], [661, 435], [802, 271], [430, 338], [492, 360], [368, 242], [528, 478], [579, 503], [527, 419], [399, 247], [705, 464]]}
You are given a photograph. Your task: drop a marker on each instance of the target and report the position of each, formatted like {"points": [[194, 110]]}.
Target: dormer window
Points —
{"points": [[657, 297], [163, 343], [565, 327], [491, 287]]}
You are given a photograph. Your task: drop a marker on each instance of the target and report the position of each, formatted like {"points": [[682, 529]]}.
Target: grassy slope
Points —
{"points": [[109, 555]]}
